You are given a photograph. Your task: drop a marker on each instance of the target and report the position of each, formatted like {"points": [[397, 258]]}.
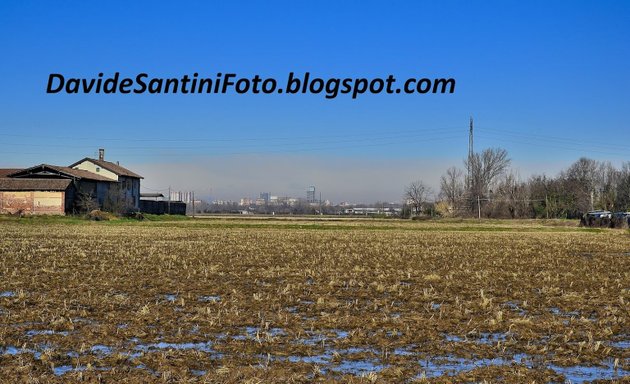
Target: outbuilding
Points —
{"points": [[36, 196]]}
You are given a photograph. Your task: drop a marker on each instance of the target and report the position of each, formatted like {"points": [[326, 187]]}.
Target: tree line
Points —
{"points": [[488, 187]]}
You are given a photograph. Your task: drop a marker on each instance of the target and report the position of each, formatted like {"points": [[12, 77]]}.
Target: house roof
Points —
{"points": [[4, 172], [112, 167], [46, 170], [8, 184]]}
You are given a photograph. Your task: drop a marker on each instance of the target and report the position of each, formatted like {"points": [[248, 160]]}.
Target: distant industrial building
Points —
{"points": [[186, 196]]}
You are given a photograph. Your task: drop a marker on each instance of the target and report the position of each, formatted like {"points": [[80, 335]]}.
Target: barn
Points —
{"points": [[35, 196]]}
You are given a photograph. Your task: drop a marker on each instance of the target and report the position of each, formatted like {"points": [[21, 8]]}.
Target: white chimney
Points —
{"points": [[101, 154]]}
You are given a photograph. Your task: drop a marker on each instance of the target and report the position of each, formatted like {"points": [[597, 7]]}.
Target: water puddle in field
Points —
{"points": [[487, 338], [515, 307], [452, 366], [558, 312], [404, 351], [354, 360], [358, 367], [332, 354], [210, 299], [63, 369], [170, 297], [83, 320], [12, 351], [314, 338], [198, 372], [7, 294], [581, 374], [339, 361], [453, 338], [257, 333], [205, 346], [101, 350], [38, 332], [623, 344]]}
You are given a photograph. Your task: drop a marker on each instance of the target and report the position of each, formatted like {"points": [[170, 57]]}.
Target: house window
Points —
{"points": [[98, 169]]}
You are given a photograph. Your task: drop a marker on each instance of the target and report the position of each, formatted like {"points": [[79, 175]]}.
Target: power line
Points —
{"points": [[258, 138], [548, 138], [279, 151], [324, 140]]}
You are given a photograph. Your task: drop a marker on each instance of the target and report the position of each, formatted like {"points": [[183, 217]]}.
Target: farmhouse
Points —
{"points": [[86, 184], [128, 182]]}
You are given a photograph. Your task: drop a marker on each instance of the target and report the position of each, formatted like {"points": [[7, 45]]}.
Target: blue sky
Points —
{"points": [[548, 81]]}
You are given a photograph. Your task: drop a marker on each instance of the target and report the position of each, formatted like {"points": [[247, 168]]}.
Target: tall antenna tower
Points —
{"points": [[470, 150]]}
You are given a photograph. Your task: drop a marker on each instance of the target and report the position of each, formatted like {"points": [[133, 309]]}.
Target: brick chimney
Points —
{"points": [[101, 154]]}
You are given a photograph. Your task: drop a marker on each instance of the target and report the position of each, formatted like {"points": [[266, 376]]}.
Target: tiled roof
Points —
{"points": [[112, 167], [8, 184], [42, 169], [4, 172]]}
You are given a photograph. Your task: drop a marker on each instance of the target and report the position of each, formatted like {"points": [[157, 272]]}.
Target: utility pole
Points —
{"points": [[320, 203], [193, 204], [169, 199], [479, 206], [546, 206]]}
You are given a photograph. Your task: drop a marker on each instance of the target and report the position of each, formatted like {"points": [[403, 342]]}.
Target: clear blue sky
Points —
{"points": [[542, 79]]}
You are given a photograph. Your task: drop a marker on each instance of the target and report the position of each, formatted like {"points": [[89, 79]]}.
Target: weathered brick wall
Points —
{"points": [[35, 203]]}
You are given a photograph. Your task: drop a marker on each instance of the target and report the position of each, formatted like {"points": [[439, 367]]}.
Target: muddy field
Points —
{"points": [[273, 301]]}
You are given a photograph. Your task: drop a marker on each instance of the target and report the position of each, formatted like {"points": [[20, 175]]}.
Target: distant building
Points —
{"points": [[128, 181], [186, 196], [310, 195]]}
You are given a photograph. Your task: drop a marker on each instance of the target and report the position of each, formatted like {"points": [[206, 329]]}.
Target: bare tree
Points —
{"points": [[606, 188], [86, 202], [452, 187], [622, 195], [416, 195], [485, 168], [513, 197], [580, 181]]}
